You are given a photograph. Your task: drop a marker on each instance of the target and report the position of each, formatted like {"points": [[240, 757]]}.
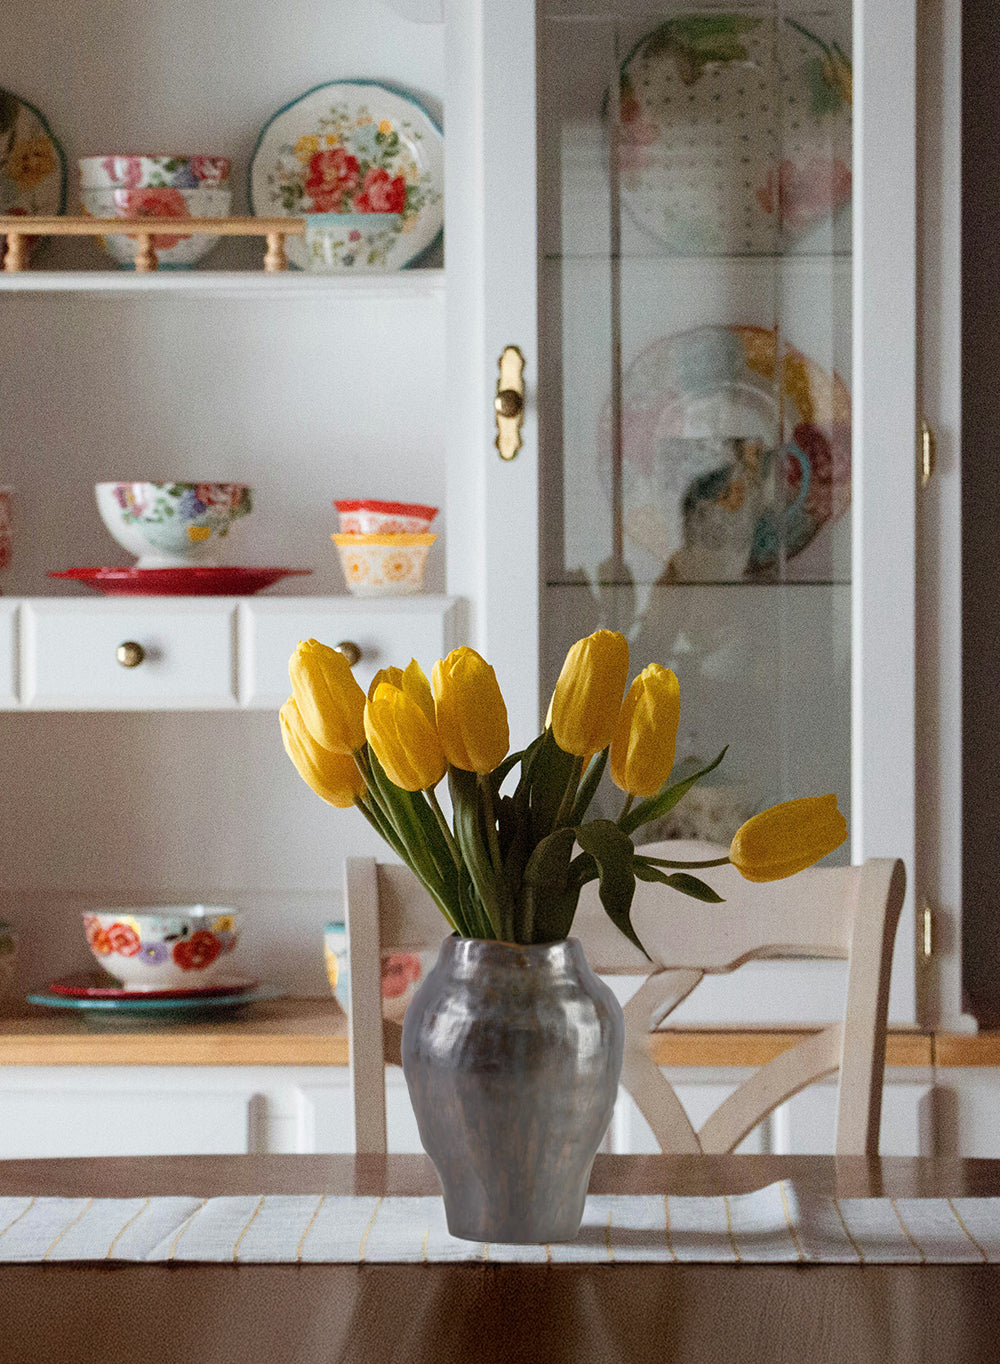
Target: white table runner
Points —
{"points": [[777, 1223]]}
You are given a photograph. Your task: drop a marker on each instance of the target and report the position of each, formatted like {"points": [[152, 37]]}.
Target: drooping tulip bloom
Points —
{"points": [[333, 776], [331, 703], [645, 738], [470, 711], [787, 838], [588, 696], [403, 739]]}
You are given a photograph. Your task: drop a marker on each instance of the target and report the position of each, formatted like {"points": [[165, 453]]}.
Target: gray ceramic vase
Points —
{"points": [[512, 1056]]}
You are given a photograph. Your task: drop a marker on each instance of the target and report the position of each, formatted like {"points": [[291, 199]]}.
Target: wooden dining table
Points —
{"points": [[491, 1313]]}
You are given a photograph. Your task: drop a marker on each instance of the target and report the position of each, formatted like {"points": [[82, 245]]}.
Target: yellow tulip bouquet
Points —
{"points": [[510, 865]]}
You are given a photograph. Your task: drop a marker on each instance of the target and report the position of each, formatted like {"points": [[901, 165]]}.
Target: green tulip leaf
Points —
{"points": [[654, 807], [588, 786], [551, 773], [470, 836], [548, 865], [614, 855], [679, 880]]}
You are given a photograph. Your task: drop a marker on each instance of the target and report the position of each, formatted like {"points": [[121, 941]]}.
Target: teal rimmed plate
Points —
{"points": [[186, 1007]]}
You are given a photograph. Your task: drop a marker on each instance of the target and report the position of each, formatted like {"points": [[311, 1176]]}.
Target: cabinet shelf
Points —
{"points": [[225, 283]]}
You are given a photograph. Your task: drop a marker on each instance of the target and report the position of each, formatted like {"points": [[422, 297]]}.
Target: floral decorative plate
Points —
{"points": [[193, 1005], [200, 580], [32, 163], [353, 147], [101, 985], [735, 130], [702, 450]]}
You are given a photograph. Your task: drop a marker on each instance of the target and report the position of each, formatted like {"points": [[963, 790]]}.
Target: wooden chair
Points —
{"points": [[848, 913]]}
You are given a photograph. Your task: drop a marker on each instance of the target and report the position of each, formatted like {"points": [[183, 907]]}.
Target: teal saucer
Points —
{"points": [[192, 1005]]}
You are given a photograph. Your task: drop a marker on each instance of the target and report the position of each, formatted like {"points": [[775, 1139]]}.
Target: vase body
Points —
{"points": [[512, 1056]]}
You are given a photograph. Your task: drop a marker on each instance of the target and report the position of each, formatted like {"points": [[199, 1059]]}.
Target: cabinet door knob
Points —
{"points": [[130, 654], [509, 402], [350, 650]]}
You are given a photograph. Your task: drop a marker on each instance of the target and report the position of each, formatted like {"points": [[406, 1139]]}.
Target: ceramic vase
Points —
{"points": [[512, 1056]]}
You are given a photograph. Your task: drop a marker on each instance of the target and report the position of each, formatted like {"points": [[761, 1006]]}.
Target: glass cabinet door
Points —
{"points": [[695, 296], [699, 223]]}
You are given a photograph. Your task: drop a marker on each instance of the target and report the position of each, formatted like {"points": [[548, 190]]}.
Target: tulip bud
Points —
{"points": [[645, 738], [394, 676], [403, 739], [787, 838], [470, 711], [588, 696], [329, 699], [333, 776]]}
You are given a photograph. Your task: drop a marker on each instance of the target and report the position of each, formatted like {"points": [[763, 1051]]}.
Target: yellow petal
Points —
{"points": [[787, 838], [394, 676], [333, 776], [470, 711], [645, 738], [403, 739], [588, 696], [329, 699]]}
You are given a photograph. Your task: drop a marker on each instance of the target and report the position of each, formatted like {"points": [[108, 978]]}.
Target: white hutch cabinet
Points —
{"points": [[171, 786]]}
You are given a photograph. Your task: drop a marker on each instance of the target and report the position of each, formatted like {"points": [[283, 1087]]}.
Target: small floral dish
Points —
{"points": [[197, 580], [172, 525], [369, 517], [402, 972], [6, 497], [383, 565], [358, 151], [153, 172], [359, 242], [32, 163], [173, 947], [174, 250]]}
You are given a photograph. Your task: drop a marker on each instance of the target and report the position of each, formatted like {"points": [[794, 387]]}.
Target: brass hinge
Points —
{"points": [[927, 933], [928, 452]]}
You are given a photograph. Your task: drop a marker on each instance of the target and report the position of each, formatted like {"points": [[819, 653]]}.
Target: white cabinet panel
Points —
{"points": [[806, 1124], [386, 630], [8, 655], [967, 1112], [632, 1135], [70, 663]]}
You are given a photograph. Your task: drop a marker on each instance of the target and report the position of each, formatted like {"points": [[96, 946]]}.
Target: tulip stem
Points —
{"points": [[629, 798], [569, 795], [505, 905], [439, 815]]}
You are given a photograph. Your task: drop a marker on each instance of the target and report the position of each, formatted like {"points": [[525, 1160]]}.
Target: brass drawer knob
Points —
{"points": [[130, 654], [350, 650]]}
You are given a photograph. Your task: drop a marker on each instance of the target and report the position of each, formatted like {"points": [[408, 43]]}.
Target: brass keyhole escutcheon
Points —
{"points": [[509, 401], [130, 654]]}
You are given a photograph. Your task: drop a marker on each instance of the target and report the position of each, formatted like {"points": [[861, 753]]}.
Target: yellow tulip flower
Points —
{"points": [[588, 696], [333, 776], [645, 738], [411, 680], [470, 711], [787, 838], [331, 703], [394, 677], [403, 739]]}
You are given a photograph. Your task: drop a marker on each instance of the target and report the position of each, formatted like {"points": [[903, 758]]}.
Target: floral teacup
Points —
{"points": [[174, 947], [172, 525]]}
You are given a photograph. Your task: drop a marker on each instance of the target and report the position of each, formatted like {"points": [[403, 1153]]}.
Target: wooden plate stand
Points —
{"points": [[18, 231]]}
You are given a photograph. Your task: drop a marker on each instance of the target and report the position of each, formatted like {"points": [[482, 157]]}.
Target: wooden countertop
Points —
{"points": [[313, 1032]]}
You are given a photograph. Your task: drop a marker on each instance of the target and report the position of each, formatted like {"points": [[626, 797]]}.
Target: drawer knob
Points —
{"points": [[130, 654], [350, 650]]}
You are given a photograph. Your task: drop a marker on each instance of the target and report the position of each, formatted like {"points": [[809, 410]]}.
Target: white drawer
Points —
{"points": [[70, 662], [387, 631], [8, 654]]}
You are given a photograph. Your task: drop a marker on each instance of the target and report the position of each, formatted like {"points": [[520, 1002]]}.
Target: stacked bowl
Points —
{"points": [[159, 187], [383, 546]]}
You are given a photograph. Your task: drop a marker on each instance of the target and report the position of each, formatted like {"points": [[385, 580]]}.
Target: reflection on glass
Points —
{"points": [[696, 304]]}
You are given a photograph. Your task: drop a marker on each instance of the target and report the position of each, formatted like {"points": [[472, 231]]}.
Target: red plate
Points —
{"points": [[202, 580], [97, 985]]}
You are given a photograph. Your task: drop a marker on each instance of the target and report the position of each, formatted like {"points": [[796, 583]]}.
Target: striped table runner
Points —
{"points": [[777, 1224]]}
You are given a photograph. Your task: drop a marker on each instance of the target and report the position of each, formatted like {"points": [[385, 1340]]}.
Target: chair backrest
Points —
{"points": [[849, 913]]}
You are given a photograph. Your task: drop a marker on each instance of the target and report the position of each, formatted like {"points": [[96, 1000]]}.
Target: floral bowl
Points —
{"points": [[357, 242], [174, 250], [172, 525], [383, 565], [168, 948], [402, 972], [152, 172], [368, 517]]}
